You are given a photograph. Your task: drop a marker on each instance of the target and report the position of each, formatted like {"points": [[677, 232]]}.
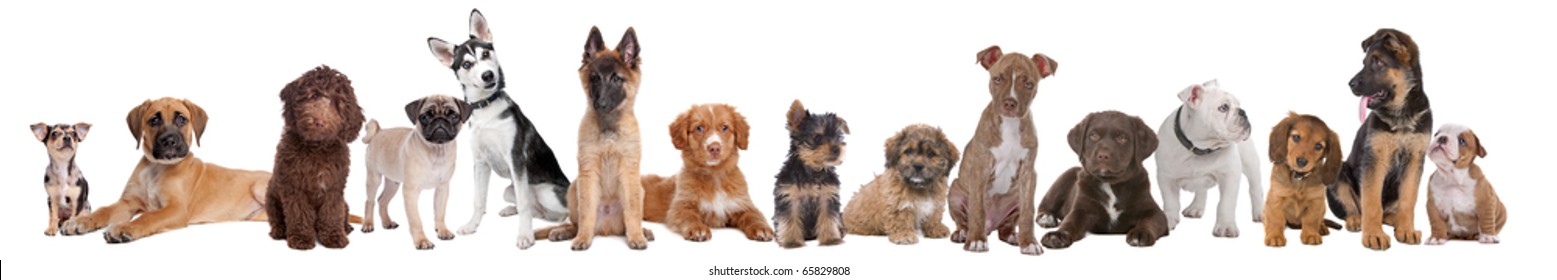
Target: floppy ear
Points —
{"points": [[444, 51], [593, 44], [989, 56], [1331, 169], [678, 131], [1046, 65], [1278, 139], [82, 128], [1078, 135], [1481, 148], [742, 129], [1145, 140], [842, 124], [134, 120], [478, 26], [628, 48], [952, 155], [892, 149], [412, 109], [1191, 95], [464, 110], [197, 119], [40, 130], [797, 114]]}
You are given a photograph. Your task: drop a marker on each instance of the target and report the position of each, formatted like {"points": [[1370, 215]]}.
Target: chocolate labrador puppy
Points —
{"points": [[1110, 193]]}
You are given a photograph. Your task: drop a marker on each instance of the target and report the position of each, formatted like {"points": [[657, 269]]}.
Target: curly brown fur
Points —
{"points": [[911, 196], [1305, 156], [306, 200]]}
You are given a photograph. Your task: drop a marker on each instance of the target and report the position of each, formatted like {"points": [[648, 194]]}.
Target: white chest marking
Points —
{"points": [[1454, 193], [1110, 202], [721, 206], [1008, 156]]}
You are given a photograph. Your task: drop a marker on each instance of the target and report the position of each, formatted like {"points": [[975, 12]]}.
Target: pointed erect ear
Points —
{"points": [[1394, 41], [134, 121], [444, 51], [797, 114], [989, 56], [478, 26], [628, 48], [1046, 65], [413, 109], [842, 124], [1191, 95], [594, 44], [81, 131], [197, 119], [40, 130]]}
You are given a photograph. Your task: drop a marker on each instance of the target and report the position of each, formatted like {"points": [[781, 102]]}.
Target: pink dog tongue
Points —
{"points": [[1362, 108]]}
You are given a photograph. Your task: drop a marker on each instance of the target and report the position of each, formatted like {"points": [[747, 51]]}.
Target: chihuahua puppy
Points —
{"points": [[62, 180]]}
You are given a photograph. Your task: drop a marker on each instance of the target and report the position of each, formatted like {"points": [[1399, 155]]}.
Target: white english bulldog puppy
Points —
{"points": [[1205, 144]]}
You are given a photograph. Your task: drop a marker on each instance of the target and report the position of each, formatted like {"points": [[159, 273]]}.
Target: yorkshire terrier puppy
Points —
{"points": [[805, 196]]}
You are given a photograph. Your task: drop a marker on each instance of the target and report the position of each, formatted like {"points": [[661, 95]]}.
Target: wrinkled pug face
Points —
{"points": [[438, 117]]}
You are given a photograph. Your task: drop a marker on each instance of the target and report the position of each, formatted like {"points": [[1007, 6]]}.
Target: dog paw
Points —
{"points": [[1259, 218], [977, 246], [697, 233], [121, 234], [830, 241], [424, 244], [581, 243], [1173, 222], [903, 238], [936, 232], [524, 242], [393, 225], [559, 234], [1313, 239], [960, 236], [1275, 241], [1141, 238], [1375, 240], [1032, 249], [508, 211], [791, 244], [754, 234], [1194, 213], [1227, 231], [334, 241], [1056, 240], [50, 231], [300, 242], [468, 229], [1353, 223], [445, 234], [1048, 221], [1436, 241], [367, 228], [1489, 239], [75, 227], [648, 235], [1410, 237], [639, 243]]}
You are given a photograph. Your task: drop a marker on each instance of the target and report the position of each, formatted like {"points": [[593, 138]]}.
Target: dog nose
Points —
{"points": [[713, 149], [168, 140], [918, 167], [487, 76], [1443, 140], [1353, 83], [1302, 162], [1103, 156]]}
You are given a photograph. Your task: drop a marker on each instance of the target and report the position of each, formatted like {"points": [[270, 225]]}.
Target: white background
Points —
{"points": [[881, 66]]}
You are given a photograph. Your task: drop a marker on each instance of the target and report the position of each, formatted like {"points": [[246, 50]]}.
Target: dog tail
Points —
{"points": [[657, 193], [372, 129]]}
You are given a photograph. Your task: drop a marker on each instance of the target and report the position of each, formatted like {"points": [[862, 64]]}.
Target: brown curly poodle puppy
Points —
{"points": [[306, 198]]}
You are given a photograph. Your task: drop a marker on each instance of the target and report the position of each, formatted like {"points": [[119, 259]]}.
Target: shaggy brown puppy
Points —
{"points": [[911, 196], [306, 198]]}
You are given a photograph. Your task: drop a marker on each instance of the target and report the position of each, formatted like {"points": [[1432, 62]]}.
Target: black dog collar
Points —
{"points": [[1179, 131], [487, 101]]}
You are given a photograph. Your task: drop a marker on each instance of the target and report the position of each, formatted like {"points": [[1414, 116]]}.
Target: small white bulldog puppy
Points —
{"points": [[1206, 144]]}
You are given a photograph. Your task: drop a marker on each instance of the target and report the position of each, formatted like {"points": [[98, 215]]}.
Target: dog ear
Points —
{"points": [[444, 51], [1481, 150], [1046, 65], [351, 113], [464, 109], [1211, 83], [197, 119], [1145, 140], [81, 131], [1078, 136], [952, 155], [594, 44], [628, 48], [842, 124], [989, 56], [134, 121], [41, 131], [797, 114], [478, 26], [1278, 139], [679, 130], [1397, 43], [892, 147], [1191, 95], [742, 129], [1331, 169], [414, 108]]}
